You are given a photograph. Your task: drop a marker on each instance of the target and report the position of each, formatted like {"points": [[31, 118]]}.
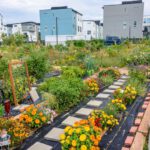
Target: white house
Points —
{"points": [[30, 29], [1, 27]]}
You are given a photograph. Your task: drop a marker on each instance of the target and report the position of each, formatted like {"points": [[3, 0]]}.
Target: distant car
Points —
{"points": [[110, 40]]}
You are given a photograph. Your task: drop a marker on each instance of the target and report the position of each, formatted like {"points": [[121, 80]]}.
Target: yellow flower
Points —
{"points": [[82, 137], [78, 130], [62, 137], [68, 141], [83, 147], [62, 142], [43, 119], [67, 128], [87, 128], [70, 131], [40, 114], [74, 143], [109, 122]]}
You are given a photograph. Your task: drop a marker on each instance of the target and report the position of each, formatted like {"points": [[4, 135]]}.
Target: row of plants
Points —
{"points": [[86, 134]]}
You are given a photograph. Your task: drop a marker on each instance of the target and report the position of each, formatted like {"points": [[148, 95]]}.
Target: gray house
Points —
{"points": [[124, 20]]}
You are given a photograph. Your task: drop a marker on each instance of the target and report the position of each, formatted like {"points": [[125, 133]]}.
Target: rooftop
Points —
{"points": [[65, 7]]}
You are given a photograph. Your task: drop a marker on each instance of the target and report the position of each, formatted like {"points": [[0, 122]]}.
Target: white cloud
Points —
{"points": [[21, 10]]}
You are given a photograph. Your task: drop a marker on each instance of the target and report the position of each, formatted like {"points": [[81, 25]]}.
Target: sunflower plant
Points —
{"points": [[34, 117], [82, 136]]}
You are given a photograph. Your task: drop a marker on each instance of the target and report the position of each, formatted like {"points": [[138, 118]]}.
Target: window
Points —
{"points": [[88, 32], [124, 25], [135, 23], [46, 28], [78, 29]]}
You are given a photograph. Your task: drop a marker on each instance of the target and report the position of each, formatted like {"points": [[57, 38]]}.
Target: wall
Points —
{"points": [[119, 20], [66, 21]]}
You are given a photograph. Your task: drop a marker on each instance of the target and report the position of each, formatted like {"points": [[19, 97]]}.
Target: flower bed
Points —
{"points": [[86, 134]]}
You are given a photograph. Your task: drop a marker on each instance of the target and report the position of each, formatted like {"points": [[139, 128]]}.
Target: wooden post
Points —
{"points": [[27, 73], [12, 84]]}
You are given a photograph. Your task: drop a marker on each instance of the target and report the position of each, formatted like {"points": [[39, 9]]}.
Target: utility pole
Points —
{"points": [[57, 30]]}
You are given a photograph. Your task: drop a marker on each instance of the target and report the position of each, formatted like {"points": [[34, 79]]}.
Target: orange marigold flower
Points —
{"points": [[43, 119], [37, 121], [33, 113], [40, 114]]}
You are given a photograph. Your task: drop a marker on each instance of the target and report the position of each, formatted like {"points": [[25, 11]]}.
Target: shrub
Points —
{"points": [[68, 91], [38, 65], [1, 110], [107, 80]]}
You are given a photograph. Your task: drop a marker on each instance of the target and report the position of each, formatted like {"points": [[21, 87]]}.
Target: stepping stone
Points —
{"points": [[133, 130], [137, 122], [20, 107], [103, 96], [120, 80], [129, 141], [125, 77], [40, 146], [69, 121], [109, 91], [114, 87], [94, 103], [84, 112], [54, 134], [118, 83]]}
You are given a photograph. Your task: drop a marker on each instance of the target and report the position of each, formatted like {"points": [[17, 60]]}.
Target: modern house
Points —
{"points": [[92, 29], [146, 26], [124, 20], [29, 29], [60, 22]]}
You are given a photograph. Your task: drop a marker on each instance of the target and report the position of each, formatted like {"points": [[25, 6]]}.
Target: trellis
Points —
{"points": [[10, 67]]}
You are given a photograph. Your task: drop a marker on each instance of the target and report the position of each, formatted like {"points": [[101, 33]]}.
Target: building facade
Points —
{"points": [[146, 26], [124, 20], [29, 29], [92, 29], [60, 21], [1, 27]]}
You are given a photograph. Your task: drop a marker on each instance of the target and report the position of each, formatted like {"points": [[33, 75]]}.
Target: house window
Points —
{"points": [[124, 25], [45, 28], [78, 29], [88, 32], [135, 23]]}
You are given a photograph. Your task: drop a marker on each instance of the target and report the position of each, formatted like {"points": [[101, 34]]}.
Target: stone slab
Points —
{"points": [[103, 96], [20, 107], [69, 121], [94, 103], [54, 134], [120, 80], [118, 83], [125, 77], [114, 87], [109, 91], [40, 146], [84, 112]]}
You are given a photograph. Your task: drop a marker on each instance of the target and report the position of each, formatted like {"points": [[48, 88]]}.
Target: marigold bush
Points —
{"points": [[34, 117], [93, 87], [17, 130], [119, 104], [82, 136]]}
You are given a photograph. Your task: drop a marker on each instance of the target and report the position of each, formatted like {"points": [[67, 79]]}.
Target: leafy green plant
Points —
{"points": [[68, 91], [1, 110], [107, 80]]}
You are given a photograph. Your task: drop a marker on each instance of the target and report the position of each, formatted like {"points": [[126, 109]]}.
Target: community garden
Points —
{"points": [[109, 83]]}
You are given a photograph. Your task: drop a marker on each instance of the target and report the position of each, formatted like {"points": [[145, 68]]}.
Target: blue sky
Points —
{"points": [[28, 10]]}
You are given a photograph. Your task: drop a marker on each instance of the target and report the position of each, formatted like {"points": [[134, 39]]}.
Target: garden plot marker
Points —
{"points": [[69, 121], [84, 112], [54, 134], [40, 146]]}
